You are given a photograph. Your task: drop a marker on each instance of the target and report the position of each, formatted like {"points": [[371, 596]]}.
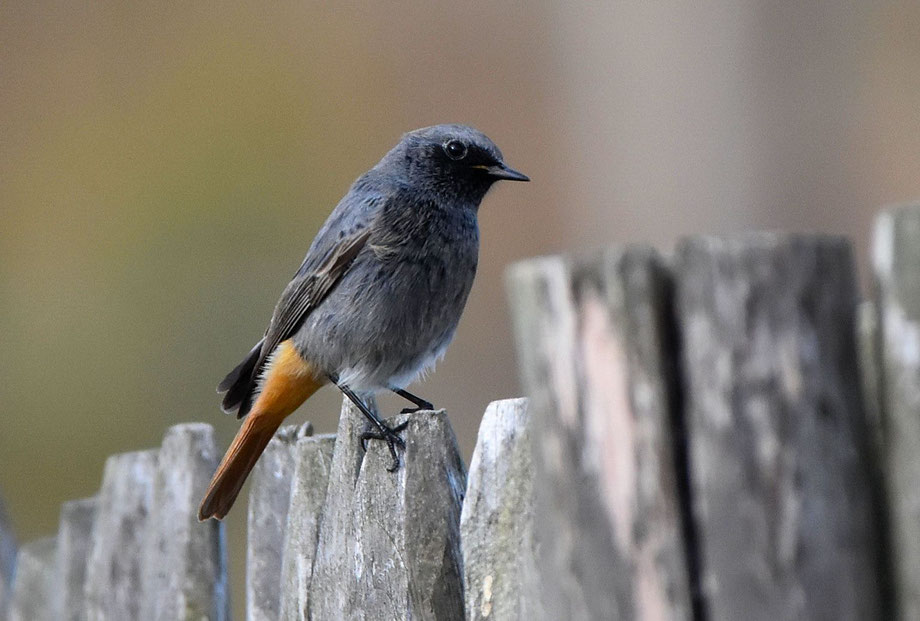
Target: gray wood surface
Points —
{"points": [[184, 565], [8, 549], [269, 500], [896, 254], [312, 463], [778, 438], [114, 583], [335, 547], [868, 335], [868, 338], [407, 526], [137, 551], [592, 337], [389, 543], [33, 586], [496, 523], [73, 547]]}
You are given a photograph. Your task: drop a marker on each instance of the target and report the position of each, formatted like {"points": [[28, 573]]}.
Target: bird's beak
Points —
{"points": [[500, 171]]}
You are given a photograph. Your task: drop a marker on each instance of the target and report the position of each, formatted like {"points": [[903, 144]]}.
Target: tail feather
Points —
{"points": [[288, 381], [239, 383], [236, 465]]}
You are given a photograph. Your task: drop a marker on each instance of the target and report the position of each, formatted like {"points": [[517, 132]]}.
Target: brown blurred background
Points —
{"points": [[163, 170]]}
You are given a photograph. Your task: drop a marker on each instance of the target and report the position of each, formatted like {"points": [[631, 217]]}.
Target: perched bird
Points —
{"points": [[376, 300]]}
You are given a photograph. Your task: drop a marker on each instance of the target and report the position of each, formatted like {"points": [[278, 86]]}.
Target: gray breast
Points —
{"points": [[395, 311]]}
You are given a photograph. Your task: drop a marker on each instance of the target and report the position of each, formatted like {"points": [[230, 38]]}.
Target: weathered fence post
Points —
{"points": [[184, 565], [73, 548], [269, 500], [779, 445], [33, 588], [7, 559], [149, 557], [496, 524], [312, 463], [114, 572], [334, 557], [896, 255], [593, 340], [408, 526], [389, 543], [868, 342]]}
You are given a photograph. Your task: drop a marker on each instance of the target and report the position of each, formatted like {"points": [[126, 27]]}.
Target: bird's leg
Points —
{"points": [[420, 404], [389, 434]]}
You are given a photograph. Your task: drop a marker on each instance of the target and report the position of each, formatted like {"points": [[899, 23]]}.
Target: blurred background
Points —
{"points": [[164, 169]]}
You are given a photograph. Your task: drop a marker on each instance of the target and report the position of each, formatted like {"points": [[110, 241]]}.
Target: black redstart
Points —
{"points": [[376, 300]]}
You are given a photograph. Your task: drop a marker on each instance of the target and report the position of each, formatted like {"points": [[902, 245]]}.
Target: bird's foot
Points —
{"points": [[419, 407], [391, 436]]}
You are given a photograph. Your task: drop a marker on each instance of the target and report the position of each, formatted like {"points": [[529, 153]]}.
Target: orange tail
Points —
{"points": [[288, 382], [236, 465]]}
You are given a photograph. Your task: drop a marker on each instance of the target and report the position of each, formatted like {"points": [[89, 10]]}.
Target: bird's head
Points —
{"points": [[454, 159]]}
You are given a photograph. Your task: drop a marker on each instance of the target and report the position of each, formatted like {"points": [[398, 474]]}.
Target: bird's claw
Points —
{"points": [[391, 436], [420, 407]]}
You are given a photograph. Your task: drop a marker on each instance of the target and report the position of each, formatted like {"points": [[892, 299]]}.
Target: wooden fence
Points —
{"points": [[726, 434]]}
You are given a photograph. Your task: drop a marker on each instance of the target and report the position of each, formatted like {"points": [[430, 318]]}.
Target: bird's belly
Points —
{"points": [[388, 321]]}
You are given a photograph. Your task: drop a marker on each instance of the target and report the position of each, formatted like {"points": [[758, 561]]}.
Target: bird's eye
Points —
{"points": [[455, 150]]}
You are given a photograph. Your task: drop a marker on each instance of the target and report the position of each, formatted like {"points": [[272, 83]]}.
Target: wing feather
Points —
{"points": [[338, 243], [304, 293]]}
